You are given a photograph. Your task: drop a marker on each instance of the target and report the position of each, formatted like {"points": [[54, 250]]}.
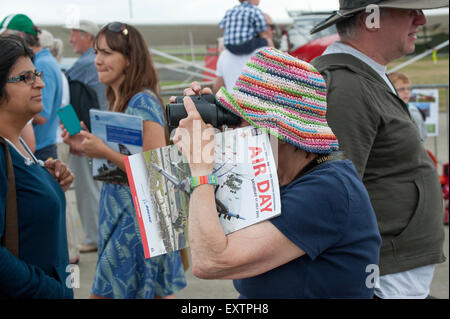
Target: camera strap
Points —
{"points": [[332, 157]]}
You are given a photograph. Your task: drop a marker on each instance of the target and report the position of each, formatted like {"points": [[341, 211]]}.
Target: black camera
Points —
{"points": [[210, 112]]}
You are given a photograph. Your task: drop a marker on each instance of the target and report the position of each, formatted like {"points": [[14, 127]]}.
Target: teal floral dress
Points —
{"points": [[122, 270]]}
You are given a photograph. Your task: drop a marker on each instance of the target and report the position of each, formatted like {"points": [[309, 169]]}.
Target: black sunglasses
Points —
{"points": [[28, 77], [118, 27]]}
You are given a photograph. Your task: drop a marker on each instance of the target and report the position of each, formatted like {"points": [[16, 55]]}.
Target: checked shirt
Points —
{"points": [[242, 23]]}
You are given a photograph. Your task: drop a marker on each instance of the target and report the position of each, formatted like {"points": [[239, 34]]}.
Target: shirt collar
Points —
{"points": [[87, 53], [44, 51], [339, 47]]}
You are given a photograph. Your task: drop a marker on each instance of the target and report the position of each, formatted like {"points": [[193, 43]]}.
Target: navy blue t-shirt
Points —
{"points": [[328, 214]]}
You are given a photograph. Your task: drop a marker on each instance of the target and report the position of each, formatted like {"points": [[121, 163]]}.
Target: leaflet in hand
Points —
{"points": [[122, 133], [248, 190]]}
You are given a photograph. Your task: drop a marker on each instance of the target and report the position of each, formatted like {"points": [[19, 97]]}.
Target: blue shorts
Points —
{"points": [[247, 47]]}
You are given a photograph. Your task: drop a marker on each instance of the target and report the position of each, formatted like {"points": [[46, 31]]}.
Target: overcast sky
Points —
{"points": [[149, 11]]}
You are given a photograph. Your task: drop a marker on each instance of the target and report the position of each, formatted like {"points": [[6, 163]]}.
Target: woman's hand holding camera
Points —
{"points": [[193, 137]]}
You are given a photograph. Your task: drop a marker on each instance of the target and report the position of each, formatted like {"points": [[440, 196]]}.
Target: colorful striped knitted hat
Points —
{"points": [[285, 97]]}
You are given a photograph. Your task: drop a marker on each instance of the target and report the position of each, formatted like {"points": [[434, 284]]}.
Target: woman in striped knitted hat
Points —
{"points": [[327, 235], [284, 96]]}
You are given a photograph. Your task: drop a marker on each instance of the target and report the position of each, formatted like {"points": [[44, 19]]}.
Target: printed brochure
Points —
{"points": [[122, 133], [248, 190]]}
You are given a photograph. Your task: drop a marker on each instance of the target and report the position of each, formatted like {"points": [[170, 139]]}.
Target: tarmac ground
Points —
{"points": [[223, 289]]}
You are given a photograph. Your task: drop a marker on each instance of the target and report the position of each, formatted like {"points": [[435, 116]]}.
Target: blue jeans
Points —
{"points": [[45, 153]]}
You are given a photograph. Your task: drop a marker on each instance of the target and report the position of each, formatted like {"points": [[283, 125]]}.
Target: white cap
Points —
{"points": [[84, 25]]}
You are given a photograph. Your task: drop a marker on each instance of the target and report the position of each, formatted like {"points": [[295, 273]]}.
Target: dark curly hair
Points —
{"points": [[12, 47]]}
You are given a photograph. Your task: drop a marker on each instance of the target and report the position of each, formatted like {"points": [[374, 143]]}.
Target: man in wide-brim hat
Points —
{"points": [[348, 8], [376, 132]]}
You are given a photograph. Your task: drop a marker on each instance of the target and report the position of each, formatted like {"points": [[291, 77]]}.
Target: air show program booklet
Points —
{"points": [[122, 133], [248, 190]]}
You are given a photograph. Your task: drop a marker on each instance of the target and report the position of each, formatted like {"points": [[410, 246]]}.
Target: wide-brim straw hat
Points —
{"points": [[347, 8], [284, 96]]}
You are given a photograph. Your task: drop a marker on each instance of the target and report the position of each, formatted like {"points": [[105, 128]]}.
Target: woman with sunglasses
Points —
{"points": [[40, 267], [124, 64]]}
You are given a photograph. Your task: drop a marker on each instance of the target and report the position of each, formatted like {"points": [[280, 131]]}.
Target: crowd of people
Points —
{"points": [[358, 189]]}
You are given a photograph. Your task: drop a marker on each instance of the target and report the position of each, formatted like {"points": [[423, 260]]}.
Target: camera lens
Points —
{"points": [[211, 113]]}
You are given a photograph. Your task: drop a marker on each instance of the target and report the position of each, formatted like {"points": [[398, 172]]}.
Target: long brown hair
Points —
{"points": [[140, 74]]}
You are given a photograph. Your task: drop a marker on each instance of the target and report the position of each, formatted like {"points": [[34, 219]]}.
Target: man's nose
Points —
{"points": [[420, 18]]}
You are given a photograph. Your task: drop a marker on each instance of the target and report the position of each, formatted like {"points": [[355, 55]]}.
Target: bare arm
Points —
{"points": [[245, 253]]}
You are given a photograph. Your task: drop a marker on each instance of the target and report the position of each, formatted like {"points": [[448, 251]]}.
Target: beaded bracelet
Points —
{"points": [[210, 179]]}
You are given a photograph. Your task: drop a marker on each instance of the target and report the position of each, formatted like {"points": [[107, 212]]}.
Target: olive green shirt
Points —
{"points": [[377, 134]]}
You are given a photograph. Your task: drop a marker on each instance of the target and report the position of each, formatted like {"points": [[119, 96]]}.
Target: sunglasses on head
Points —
{"points": [[118, 27], [28, 77]]}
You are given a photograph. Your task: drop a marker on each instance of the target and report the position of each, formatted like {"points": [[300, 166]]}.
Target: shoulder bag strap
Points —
{"points": [[10, 238]]}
